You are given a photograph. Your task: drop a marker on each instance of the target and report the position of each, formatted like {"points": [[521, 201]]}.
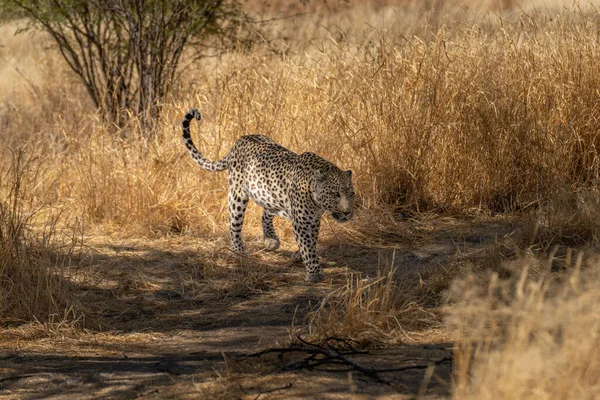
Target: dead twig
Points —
{"points": [[333, 354], [329, 355]]}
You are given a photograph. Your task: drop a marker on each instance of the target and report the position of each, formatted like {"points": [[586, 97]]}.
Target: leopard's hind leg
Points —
{"points": [[238, 201]]}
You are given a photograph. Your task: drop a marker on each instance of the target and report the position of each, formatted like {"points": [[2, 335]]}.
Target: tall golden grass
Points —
{"points": [[497, 114]]}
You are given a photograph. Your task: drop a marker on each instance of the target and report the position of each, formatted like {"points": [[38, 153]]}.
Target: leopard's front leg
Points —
{"points": [[306, 232], [270, 237]]}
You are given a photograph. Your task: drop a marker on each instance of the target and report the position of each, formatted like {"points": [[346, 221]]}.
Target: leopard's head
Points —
{"points": [[334, 192]]}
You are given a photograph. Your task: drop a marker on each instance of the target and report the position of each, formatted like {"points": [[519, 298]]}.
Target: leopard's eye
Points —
{"points": [[337, 195]]}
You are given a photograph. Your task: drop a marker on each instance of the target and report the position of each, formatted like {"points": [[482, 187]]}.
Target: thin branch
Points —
{"points": [[331, 355], [318, 355]]}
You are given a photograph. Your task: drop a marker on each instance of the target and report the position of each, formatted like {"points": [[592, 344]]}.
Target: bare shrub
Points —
{"points": [[127, 53]]}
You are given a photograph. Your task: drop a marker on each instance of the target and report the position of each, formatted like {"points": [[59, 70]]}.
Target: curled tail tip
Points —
{"points": [[193, 113], [185, 124]]}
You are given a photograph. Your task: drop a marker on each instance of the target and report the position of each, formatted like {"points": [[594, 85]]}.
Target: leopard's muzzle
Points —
{"points": [[341, 217]]}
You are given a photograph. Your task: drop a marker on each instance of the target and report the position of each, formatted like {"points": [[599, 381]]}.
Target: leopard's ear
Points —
{"points": [[349, 173], [319, 176]]}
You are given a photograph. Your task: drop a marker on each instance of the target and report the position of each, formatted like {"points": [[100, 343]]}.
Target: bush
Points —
{"points": [[127, 53]]}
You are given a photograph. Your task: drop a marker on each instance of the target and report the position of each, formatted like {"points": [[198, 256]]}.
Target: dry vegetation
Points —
{"points": [[379, 309], [32, 266], [533, 335], [451, 118]]}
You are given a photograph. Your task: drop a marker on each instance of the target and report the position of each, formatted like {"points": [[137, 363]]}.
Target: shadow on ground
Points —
{"points": [[166, 317], [174, 374]]}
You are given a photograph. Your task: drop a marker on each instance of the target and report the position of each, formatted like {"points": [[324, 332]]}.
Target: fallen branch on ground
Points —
{"points": [[327, 354]]}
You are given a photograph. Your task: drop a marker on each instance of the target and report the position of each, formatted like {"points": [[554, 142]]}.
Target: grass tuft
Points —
{"points": [[33, 269], [376, 310]]}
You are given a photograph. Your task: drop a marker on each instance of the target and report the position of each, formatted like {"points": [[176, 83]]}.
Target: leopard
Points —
{"points": [[297, 187]]}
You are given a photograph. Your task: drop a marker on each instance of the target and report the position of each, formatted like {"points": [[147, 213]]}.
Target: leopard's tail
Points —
{"points": [[189, 144]]}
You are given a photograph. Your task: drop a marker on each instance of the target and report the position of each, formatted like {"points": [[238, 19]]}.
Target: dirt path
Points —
{"points": [[173, 316]]}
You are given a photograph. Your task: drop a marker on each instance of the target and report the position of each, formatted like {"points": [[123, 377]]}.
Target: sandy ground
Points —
{"points": [[173, 318]]}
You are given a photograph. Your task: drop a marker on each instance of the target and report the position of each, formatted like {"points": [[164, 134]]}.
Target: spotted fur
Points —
{"points": [[299, 187]]}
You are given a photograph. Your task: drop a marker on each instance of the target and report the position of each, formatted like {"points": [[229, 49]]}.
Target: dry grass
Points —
{"points": [[378, 310], [534, 335], [454, 109], [33, 264], [567, 220], [528, 328]]}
